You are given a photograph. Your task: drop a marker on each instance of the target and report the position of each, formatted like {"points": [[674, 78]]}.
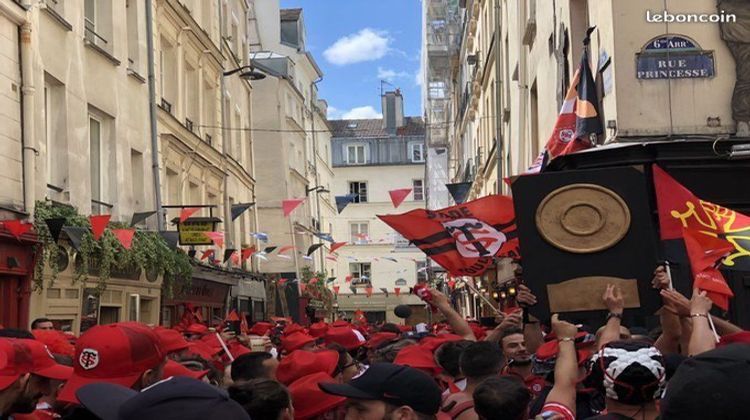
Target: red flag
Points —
{"points": [[348, 278], [464, 238], [398, 196], [216, 237], [232, 316], [282, 282], [17, 228], [704, 250], [125, 236], [247, 252], [207, 253], [679, 208], [331, 258], [336, 289], [337, 245], [98, 224], [313, 280], [368, 290], [235, 258], [715, 286], [244, 327], [397, 290], [187, 212], [289, 205]]}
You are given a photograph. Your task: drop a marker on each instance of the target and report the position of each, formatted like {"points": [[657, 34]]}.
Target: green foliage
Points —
{"points": [[317, 290], [149, 251]]}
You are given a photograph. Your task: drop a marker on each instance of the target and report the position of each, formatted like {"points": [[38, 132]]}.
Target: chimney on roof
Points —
{"points": [[393, 110]]}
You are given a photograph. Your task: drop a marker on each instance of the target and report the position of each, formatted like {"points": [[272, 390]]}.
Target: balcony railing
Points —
{"points": [[166, 105], [189, 124]]}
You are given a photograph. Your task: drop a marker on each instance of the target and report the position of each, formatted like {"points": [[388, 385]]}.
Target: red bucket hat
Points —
{"points": [[172, 368], [171, 341], [318, 329], [295, 341], [350, 338], [309, 399], [302, 363], [15, 359], [418, 357], [116, 353]]}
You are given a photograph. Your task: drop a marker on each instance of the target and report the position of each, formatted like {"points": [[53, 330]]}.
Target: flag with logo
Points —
{"points": [[464, 238], [705, 252], [680, 209], [579, 116]]}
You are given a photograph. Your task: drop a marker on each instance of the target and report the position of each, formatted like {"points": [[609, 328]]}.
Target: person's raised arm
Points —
{"points": [[702, 338], [458, 324], [566, 366], [671, 328], [532, 331], [615, 302]]}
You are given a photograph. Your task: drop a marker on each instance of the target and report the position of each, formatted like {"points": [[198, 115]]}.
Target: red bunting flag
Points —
{"points": [[98, 224], [187, 212], [398, 196], [336, 289], [302, 287], [397, 290], [284, 249], [244, 327], [17, 228], [125, 236], [236, 258], [368, 290], [216, 237], [348, 278], [337, 245], [232, 316], [282, 282], [247, 252], [464, 238], [207, 253], [328, 257], [679, 208], [289, 205], [313, 280]]}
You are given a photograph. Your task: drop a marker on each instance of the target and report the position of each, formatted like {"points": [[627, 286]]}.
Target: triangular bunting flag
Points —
{"points": [[313, 248], [337, 245], [282, 282], [324, 236], [343, 200], [186, 212], [704, 250], [302, 287], [98, 224], [232, 317], [55, 226], [261, 236], [17, 228], [289, 205], [398, 196], [397, 290], [336, 289], [459, 191], [125, 236], [216, 237], [332, 258], [238, 209], [139, 217], [261, 256], [228, 254], [330, 280], [269, 249], [75, 234], [349, 278], [236, 259], [247, 252], [171, 237], [368, 290], [313, 280], [384, 290], [286, 257]]}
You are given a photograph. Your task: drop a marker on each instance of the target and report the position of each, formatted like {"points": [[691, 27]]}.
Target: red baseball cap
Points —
{"points": [[433, 343], [318, 329], [346, 336], [203, 350], [45, 364], [260, 328], [341, 323], [302, 363], [115, 353], [196, 329], [293, 328], [16, 360], [172, 368], [418, 357], [171, 341], [378, 339], [296, 341], [309, 399], [56, 341]]}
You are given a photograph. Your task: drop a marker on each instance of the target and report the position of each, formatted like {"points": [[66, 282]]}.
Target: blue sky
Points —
{"points": [[359, 42]]}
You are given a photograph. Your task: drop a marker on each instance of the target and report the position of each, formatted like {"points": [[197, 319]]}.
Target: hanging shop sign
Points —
{"points": [[674, 57], [193, 231]]}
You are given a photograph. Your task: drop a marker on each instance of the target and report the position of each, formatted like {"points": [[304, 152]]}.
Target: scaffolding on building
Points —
{"points": [[440, 44]]}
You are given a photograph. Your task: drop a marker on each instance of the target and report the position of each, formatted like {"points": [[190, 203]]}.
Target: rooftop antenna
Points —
{"points": [[385, 82]]}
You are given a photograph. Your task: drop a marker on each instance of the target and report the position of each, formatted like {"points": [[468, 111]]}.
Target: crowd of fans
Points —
{"points": [[693, 367]]}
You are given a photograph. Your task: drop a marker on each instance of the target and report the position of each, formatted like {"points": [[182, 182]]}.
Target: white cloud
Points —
{"points": [[365, 45], [356, 113], [419, 75], [389, 75]]}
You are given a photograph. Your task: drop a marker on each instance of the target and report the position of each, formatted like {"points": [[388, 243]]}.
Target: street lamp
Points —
{"points": [[317, 189], [248, 72]]}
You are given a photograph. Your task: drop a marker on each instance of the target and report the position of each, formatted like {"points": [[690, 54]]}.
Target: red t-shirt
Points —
{"points": [[560, 409]]}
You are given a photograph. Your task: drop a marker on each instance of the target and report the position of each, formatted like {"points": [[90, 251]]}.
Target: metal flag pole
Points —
{"points": [[481, 296]]}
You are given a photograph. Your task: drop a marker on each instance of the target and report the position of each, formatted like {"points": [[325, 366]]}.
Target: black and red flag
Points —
{"points": [[464, 238]]}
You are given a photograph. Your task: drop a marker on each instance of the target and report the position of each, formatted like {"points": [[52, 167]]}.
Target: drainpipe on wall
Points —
{"points": [[156, 174], [499, 152], [225, 138], [28, 134]]}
